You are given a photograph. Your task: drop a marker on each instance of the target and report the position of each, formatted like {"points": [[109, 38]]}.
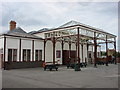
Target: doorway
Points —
{"points": [[1, 60], [66, 56]]}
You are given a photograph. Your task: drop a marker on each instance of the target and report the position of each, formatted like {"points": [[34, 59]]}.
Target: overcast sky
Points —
{"points": [[35, 16]]}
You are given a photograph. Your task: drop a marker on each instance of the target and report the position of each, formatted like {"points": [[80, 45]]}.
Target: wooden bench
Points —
{"points": [[101, 61], [83, 64], [73, 65], [50, 66]]}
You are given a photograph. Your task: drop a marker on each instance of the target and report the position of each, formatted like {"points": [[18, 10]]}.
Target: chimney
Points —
{"points": [[12, 25]]}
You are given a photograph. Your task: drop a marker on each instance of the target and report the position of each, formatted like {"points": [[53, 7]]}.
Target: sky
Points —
{"points": [[33, 16], [119, 26]]}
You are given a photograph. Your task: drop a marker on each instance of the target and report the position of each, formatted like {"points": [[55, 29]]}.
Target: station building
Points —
{"points": [[71, 41]]}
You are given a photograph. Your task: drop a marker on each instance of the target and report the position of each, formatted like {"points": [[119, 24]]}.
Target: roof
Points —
{"points": [[17, 30], [73, 23], [70, 24], [41, 30], [21, 33]]}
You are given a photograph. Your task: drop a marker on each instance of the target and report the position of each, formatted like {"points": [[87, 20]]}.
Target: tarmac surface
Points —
{"points": [[89, 77]]}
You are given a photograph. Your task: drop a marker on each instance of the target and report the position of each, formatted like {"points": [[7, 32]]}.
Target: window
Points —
{"points": [[26, 54], [12, 54], [1, 51], [89, 55], [58, 54], [38, 55], [9, 54]]}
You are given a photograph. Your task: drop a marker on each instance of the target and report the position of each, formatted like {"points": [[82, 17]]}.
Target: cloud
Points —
{"points": [[36, 15]]}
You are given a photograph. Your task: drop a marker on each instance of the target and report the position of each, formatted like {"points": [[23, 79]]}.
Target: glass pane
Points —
{"points": [[9, 54], [28, 55], [14, 54], [58, 54], [36, 55], [40, 55], [24, 55]]}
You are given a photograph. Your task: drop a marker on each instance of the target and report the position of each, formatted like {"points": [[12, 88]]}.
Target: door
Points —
{"points": [[73, 56], [1, 60], [90, 55], [66, 56]]}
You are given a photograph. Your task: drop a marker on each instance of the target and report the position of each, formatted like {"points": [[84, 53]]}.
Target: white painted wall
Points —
{"points": [[1, 42], [66, 46], [12, 43], [80, 53], [84, 52], [98, 49], [90, 48], [58, 47], [73, 46], [26, 44], [39, 45], [49, 52], [40, 35]]}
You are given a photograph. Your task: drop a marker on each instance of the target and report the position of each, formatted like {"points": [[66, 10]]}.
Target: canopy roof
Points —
{"points": [[70, 29], [73, 23]]}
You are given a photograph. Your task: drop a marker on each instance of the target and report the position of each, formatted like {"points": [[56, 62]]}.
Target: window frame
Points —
{"points": [[13, 55], [25, 55], [58, 53], [39, 55]]}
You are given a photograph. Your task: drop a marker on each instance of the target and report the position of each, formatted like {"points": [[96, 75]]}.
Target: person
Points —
{"points": [[85, 61], [44, 64], [58, 62], [68, 62]]}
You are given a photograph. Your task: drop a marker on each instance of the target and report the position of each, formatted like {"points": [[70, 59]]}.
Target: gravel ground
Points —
{"points": [[90, 77]]}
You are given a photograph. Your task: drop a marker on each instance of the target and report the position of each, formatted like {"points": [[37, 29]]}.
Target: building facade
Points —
{"points": [[72, 42]]}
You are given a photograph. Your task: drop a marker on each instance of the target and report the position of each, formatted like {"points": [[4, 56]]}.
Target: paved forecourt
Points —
{"points": [[89, 77]]}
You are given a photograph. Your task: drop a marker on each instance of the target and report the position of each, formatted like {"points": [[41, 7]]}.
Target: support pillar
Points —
{"points": [[32, 50], [54, 50], [76, 52], [78, 45], [115, 50], [82, 52], [62, 51], [69, 51], [95, 50], [20, 50], [106, 52], [4, 57], [44, 49], [87, 50]]}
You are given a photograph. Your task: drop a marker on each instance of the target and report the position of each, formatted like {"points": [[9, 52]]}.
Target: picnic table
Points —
{"points": [[50, 66], [72, 65]]}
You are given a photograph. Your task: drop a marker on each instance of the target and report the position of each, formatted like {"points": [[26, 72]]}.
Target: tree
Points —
{"points": [[103, 53]]}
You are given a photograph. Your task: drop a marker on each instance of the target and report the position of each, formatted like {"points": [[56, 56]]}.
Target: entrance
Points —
{"points": [[1, 60], [66, 56], [90, 57]]}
